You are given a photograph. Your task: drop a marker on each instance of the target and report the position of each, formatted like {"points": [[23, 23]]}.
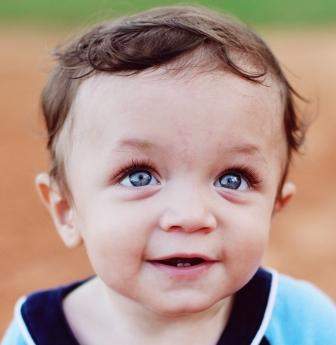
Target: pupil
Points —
{"points": [[140, 179], [231, 181]]}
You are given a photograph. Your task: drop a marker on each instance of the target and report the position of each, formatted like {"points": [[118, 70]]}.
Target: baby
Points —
{"points": [[171, 133]]}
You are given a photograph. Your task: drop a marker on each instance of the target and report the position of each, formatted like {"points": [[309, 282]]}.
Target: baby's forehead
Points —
{"points": [[207, 109], [159, 91]]}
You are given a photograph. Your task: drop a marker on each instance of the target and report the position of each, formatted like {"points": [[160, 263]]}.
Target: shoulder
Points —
{"points": [[39, 319], [302, 314], [13, 335]]}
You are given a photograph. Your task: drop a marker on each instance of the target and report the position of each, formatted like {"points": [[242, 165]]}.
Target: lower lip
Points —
{"points": [[185, 273]]}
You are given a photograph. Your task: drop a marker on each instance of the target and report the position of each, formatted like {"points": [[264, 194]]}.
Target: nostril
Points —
{"points": [[174, 228], [188, 221]]}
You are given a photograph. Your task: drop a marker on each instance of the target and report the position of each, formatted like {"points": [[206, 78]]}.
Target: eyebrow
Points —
{"points": [[135, 143], [249, 149]]}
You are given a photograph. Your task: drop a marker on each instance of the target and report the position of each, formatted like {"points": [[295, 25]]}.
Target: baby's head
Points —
{"points": [[170, 135]]}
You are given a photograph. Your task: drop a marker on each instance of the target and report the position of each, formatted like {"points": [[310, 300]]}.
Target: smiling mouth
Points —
{"points": [[180, 262]]}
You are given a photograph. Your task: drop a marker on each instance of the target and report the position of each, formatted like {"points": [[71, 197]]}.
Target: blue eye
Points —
{"points": [[138, 178], [232, 181]]}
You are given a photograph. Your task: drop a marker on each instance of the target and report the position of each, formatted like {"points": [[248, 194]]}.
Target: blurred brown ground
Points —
{"points": [[303, 238]]}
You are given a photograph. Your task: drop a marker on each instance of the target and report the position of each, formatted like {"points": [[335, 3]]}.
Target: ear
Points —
{"points": [[287, 192], [60, 210]]}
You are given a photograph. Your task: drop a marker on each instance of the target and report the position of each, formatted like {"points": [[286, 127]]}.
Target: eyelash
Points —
{"points": [[134, 165], [244, 171]]}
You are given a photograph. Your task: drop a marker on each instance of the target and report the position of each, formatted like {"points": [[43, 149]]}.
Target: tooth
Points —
{"points": [[185, 264]]}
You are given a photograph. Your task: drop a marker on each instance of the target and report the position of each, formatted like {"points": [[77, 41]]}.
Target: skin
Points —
{"points": [[198, 127]]}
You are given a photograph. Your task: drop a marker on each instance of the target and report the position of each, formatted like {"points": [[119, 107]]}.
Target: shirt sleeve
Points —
{"points": [[302, 315], [13, 336]]}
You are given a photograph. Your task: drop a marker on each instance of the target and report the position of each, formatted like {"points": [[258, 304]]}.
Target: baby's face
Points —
{"points": [[211, 150]]}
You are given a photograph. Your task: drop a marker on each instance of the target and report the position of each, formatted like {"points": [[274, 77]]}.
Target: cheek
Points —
{"points": [[247, 247], [115, 240], [245, 240]]}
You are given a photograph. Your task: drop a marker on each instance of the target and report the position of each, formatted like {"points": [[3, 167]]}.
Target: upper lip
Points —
{"points": [[184, 256]]}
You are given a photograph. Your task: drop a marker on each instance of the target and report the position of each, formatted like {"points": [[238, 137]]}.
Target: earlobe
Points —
{"points": [[59, 208], [287, 193]]}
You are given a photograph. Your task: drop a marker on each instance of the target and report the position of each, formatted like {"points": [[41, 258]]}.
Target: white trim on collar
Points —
{"points": [[269, 308], [21, 323]]}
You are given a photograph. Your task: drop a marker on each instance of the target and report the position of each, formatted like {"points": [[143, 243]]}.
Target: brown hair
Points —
{"points": [[151, 39]]}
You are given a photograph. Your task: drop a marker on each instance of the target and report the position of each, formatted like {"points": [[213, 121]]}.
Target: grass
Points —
{"points": [[74, 12]]}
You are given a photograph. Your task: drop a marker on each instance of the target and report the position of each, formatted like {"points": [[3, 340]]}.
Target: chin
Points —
{"points": [[183, 305]]}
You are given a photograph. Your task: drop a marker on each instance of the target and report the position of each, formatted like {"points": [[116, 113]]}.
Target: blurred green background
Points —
{"points": [[74, 12]]}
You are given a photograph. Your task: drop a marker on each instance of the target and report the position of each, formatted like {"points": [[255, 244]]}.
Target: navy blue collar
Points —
{"points": [[45, 320], [44, 317]]}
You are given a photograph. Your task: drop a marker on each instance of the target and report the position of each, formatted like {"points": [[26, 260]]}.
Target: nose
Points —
{"points": [[188, 212]]}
